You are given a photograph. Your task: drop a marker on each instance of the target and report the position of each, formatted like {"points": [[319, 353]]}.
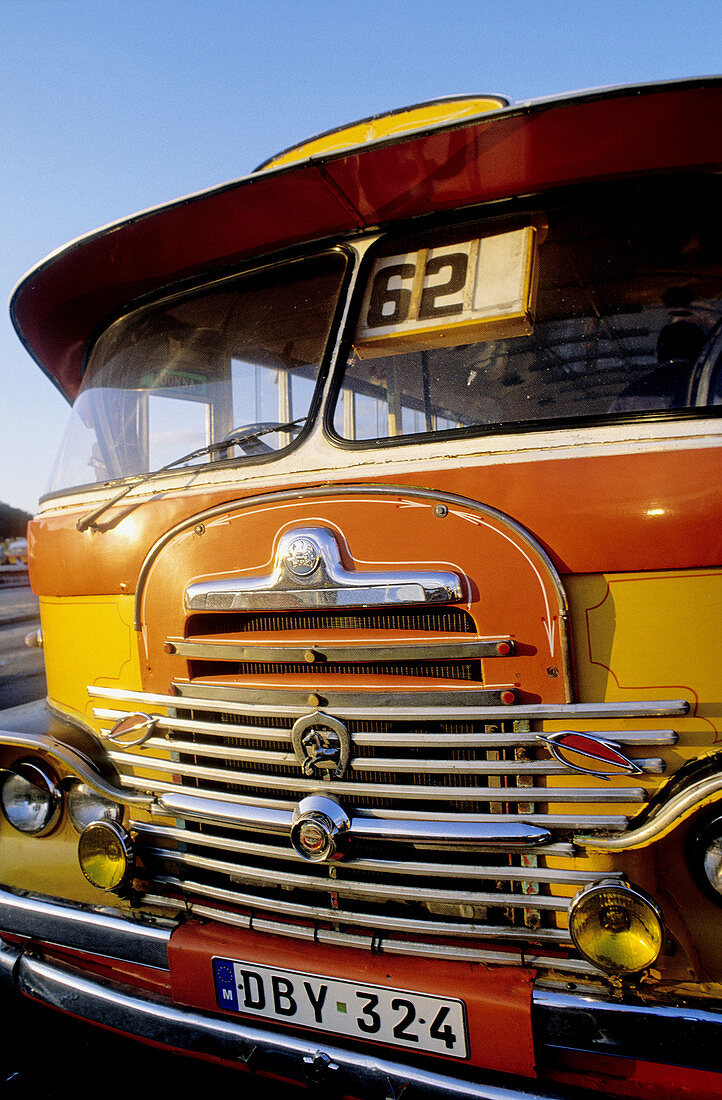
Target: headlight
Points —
{"points": [[712, 863], [31, 799], [105, 852], [616, 927], [705, 855], [85, 806]]}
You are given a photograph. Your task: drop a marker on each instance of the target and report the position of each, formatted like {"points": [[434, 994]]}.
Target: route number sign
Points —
{"points": [[453, 294]]}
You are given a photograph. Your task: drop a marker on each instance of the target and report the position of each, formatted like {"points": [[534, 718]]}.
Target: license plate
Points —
{"points": [[417, 1021]]}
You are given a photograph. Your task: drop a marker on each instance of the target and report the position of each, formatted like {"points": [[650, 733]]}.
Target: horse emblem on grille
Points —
{"points": [[322, 745]]}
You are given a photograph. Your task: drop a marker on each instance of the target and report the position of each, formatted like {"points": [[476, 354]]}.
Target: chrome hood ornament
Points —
{"points": [[309, 572]]}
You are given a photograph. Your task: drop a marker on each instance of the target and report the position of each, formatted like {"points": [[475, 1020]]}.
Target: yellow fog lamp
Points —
{"points": [[616, 927], [31, 797], [106, 856]]}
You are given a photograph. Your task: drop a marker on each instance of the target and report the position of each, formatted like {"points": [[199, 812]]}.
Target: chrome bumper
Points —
{"points": [[335, 1070], [679, 1035]]}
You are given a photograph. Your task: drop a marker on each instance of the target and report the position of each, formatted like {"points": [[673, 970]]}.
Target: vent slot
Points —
{"points": [[442, 620]]}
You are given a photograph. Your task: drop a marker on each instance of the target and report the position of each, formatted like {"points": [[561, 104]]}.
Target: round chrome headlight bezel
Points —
{"points": [[32, 785], [610, 897], [86, 806], [704, 852]]}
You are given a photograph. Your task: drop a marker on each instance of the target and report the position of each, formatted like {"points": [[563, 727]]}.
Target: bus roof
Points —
{"points": [[445, 164]]}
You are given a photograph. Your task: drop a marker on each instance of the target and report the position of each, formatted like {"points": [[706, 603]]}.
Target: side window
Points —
{"points": [[172, 377]]}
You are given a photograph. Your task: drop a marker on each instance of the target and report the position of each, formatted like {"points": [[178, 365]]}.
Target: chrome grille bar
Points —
{"points": [[380, 943], [332, 652], [414, 765], [167, 791], [379, 790], [430, 739], [410, 866], [397, 825], [417, 706], [288, 908], [356, 888]]}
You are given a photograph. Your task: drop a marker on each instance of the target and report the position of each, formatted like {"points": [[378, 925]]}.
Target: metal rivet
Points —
{"points": [[553, 672], [314, 700], [441, 510], [168, 648], [199, 529], [309, 656]]}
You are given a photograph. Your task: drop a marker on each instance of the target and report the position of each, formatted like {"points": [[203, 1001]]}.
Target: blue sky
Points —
{"points": [[109, 107]]}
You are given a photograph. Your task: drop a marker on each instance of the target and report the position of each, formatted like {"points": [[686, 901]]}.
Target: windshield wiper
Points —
{"points": [[236, 437]]}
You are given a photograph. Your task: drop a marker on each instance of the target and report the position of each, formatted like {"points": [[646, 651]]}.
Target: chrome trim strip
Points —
{"points": [[74, 762], [489, 832], [321, 580], [614, 822], [9, 957], [671, 813], [485, 701], [217, 812], [425, 710], [652, 766], [617, 794], [448, 835], [353, 918], [302, 1059], [215, 729], [321, 652], [680, 1035], [101, 933]]}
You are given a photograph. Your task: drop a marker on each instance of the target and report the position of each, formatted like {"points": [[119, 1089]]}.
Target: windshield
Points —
{"points": [[591, 311], [177, 376]]}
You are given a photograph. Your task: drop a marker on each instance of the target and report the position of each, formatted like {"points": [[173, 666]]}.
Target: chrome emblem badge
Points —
{"points": [[302, 556], [589, 755], [320, 829], [322, 745], [132, 730]]}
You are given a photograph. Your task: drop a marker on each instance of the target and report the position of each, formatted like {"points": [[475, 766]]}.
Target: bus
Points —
{"points": [[380, 585]]}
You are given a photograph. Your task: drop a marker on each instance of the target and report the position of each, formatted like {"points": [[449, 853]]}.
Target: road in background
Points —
{"points": [[22, 670]]}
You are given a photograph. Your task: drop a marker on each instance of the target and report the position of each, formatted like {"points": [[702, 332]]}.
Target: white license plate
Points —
{"points": [[413, 1020]]}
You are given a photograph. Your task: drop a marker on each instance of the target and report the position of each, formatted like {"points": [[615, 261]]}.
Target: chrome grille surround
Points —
{"points": [[450, 812]]}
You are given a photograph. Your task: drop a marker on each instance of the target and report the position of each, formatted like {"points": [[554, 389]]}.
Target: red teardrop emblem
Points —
{"points": [[581, 752]]}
